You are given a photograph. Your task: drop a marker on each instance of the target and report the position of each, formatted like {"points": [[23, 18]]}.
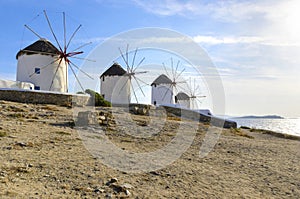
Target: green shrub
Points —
{"points": [[80, 92], [97, 98], [3, 134]]}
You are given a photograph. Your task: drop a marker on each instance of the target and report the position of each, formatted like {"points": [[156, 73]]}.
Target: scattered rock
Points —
{"points": [[112, 180], [127, 193], [245, 127], [102, 117], [127, 186], [30, 165], [154, 173], [86, 118], [99, 190], [21, 144], [8, 148], [109, 195]]}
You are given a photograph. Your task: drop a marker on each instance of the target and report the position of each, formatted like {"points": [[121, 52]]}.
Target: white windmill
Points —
{"points": [[117, 83], [165, 87], [111, 82], [183, 100], [45, 65], [192, 99], [132, 73], [161, 91]]}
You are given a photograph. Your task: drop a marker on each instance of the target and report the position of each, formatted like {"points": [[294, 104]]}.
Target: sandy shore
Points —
{"points": [[43, 156]]}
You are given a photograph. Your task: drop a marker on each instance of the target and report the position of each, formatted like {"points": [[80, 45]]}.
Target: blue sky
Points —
{"points": [[255, 44]]}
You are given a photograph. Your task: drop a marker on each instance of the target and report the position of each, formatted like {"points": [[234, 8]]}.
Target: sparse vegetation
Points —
{"points": [[3, 133], [276, 134], [71, 123], [239, 132], [80, 92], [50, 107], [245, 127], [174, 118], [97, 98], [62, 133], [15, 109], [16, 115], [54, 159]]}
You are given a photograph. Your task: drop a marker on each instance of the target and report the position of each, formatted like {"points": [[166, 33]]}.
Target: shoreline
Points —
{"points": [[283, 126], [273, 133]]}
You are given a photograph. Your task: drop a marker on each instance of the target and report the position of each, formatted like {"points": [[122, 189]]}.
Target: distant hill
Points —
{"points": [[260, 117]]}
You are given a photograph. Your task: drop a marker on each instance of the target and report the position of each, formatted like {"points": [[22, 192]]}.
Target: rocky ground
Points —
{"points": [[46, 154]]}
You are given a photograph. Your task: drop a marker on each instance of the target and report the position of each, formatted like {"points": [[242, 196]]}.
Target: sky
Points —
{"points": [[254, 44]]}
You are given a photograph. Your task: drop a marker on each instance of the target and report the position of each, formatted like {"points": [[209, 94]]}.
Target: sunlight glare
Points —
{"points": [[291, 22]]}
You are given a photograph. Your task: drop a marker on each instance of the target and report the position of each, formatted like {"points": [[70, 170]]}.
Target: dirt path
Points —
{"points": [[42, 156]]}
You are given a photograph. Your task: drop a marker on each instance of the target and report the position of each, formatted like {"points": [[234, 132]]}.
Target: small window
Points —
{"points": [[37, 88], [37, 71]]}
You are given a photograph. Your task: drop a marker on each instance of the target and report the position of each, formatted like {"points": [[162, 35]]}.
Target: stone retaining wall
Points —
{"points": [[42, 97], [193, 115]]}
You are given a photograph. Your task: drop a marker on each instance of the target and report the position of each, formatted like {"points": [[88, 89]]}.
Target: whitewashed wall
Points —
{"points": [[162, 94], [115, 89], [27, 65], [184, 103], [16, 84]]}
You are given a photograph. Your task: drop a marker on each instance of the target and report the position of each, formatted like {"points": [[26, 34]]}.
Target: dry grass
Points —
{"points": [[50, 108], [16, 115], [62, 133], [276, 134], [48, 159], [174, 118], [3, 134], [15, 109], [239, 132]]}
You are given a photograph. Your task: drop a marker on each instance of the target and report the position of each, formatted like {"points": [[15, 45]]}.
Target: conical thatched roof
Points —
{"points": [[182, 96], [114, 70], [162, 79], [41, 46]]}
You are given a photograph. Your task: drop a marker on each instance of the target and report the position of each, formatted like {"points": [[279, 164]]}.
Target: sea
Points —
{"points": [[286, 125]]}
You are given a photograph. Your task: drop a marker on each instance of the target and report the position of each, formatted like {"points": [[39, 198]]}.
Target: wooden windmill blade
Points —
{"points": [[195, 96], [132, 72], [51, 29], [169, 88], [62, 55], [196, 101], [125, 59], [31, 30]]}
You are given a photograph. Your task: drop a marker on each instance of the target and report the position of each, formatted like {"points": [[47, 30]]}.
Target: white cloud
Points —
{"points": [[255, 45], [262, 40], [226, 40], [223, 10], [272, 22], [167, 7]]}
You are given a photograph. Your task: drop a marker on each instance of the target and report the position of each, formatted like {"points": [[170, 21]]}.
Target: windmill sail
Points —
{"points": [[132, 74], [195, 95], [165, 87], [48, 68]]}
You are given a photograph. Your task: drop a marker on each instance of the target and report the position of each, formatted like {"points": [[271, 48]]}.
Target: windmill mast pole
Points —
{"points": [[33, 31]]}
